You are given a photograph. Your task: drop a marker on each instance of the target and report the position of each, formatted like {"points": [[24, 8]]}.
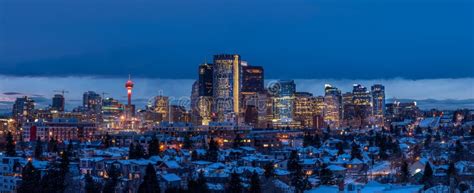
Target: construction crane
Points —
{"points": [[103, 95], [61, 91]]}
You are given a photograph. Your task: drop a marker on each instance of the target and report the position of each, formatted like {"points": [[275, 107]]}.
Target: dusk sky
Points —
{"points": [[299, 39], [420, 49]]}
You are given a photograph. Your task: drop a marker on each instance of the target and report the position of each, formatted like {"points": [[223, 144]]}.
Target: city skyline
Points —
{"points": [[430, 93]]}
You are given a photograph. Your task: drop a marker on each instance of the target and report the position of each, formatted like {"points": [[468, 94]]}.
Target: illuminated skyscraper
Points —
{"points": [[332, 106], [252, 79], [161, 106], [362, 106], [92, 101], [378, 103], [58, 102], [284, 101], [23, 109], [226, 86], [304, 108], [205, 80]]}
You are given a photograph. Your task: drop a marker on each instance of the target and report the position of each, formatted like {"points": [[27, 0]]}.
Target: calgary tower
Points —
{"points": [[129, 86]]}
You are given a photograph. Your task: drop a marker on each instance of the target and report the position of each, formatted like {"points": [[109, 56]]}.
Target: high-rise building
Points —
{"points": [[205, 79], [284, 101], [161, 105], [304, 109], [58, 102], [362, 106], [348, 108], [111, 112], [378, 103], [252, 79], [332, 106], [23, 109], [92, 101], [226, 86]]}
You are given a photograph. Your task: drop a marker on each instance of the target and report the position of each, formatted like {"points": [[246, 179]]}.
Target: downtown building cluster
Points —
{"points": [[231, 91]]}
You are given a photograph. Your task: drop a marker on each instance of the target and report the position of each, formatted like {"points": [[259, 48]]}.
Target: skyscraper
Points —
{"points": [[205, 79], [226, 86], [284, 101], [332, 105], [252, 79], [362, 106], [378, 103], [23, 109], [92, 101], [161, 106], [58, 102]]}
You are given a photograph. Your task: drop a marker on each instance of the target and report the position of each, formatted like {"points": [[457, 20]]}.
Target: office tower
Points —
{"points": [[205, 79], [92, 101], [304, 108], [348, 108], [58, 102], [284, 101], [161, 106], [111, 112], [178, 114], [362, 105], [226, 86], [195, 118], [252, 79], [23, 109], [333, 106], [378, 103]]}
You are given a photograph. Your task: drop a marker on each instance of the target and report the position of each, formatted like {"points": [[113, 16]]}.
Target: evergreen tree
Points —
{"points": [[39, 149], [418, 130], [459, 149], [131, 151], [426, 179], [150, 181], [404, 173], [307, 140], [269, 170], [213, 151], [237, 141], [53, 181], [325, 175], [112, 180], [355, 152], [52, 145], [139, 151], [340, 148], [10, 147], [297, 179], [107, 141], [187, 143], [202, 183], [30, 179], [194, 155], [293, 161], [451, 170], [90, 185], [154, 147], [235, 184], [316, 141], [255, 183]]}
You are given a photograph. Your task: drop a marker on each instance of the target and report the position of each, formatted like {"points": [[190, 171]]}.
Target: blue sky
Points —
{"points": [[299, 39]]}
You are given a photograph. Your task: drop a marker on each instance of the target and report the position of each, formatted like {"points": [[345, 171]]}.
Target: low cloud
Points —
{"points": [[146, 88]]}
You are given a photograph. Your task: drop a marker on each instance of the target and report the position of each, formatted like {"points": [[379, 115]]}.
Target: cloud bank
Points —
{"points": [[432, 93]]}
